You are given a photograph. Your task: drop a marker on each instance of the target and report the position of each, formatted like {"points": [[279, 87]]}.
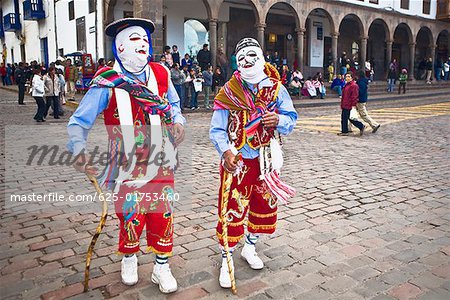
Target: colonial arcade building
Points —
{"points": [[311, 33]]}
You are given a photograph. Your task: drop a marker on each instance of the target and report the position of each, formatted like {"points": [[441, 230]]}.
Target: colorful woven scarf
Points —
{"points": [[151, 103], [236, 95]]}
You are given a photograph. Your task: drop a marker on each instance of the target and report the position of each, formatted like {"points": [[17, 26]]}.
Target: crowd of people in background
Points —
{"points": [[192, 76]]}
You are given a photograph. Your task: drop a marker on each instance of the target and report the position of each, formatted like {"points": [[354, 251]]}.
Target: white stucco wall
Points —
{"points": [[67, 35], [316, 47], [31, 34], [415, 7]]}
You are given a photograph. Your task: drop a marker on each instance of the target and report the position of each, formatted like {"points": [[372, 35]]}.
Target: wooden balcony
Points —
{"points": [[443, 10]]}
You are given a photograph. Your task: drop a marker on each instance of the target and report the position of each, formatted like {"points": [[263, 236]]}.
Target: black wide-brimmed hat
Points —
{"points": [[115, 27]]}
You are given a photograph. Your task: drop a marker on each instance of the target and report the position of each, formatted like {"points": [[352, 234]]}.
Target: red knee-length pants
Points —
{"points": [[248, 196], [147, 206]]}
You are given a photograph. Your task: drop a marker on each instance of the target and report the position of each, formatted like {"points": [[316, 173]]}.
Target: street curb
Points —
{"points": [[377, 99]]}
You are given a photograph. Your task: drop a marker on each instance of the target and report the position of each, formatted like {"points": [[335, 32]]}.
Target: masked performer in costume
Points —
{"points": [[250, 112], [143, 119]]}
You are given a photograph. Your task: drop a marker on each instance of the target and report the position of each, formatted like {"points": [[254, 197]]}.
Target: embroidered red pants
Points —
{"points": [[147, 206], [248, 196]]}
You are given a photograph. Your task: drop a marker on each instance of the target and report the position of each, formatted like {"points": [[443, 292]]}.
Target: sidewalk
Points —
{"points": [[437, 89]]}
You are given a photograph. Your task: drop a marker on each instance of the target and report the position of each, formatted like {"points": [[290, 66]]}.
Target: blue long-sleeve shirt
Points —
{"points": [[219, 123], [95, 102]]}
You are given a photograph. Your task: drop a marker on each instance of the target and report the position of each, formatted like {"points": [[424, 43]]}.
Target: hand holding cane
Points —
{"points": [[226, 192], [100, 226]]}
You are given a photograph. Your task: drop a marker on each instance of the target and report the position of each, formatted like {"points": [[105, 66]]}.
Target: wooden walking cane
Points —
{"points": [[226, 192], [100, 226]]}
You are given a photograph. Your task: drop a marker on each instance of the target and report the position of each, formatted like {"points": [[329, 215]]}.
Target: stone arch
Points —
{"points": [[378, 33], [318, 63], [350, 39], [270, 4], [108, 8], [401, 52], [326, 14], [443, 45]]}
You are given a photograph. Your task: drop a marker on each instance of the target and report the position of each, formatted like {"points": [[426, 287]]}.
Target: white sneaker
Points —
{"points": [[163, 276], [129, 270], [224, 277], [249, 254]]}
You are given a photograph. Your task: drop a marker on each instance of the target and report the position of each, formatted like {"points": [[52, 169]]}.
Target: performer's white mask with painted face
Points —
{"points": [[132, 48], [250, 60]]}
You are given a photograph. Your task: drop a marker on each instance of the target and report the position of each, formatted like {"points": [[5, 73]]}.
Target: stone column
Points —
{"points": [[334, 51], [433, 53], [412, 55], [213, 40], [300, 46], [363, 51], [153, 10], [388, 55], [260, 29]]}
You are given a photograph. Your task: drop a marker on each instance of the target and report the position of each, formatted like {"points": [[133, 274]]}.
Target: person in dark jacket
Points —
{"points": [[175, 55], [218, 80], [350, 97], [21, 78], [338, 84], [204, 57], [363, 85]]}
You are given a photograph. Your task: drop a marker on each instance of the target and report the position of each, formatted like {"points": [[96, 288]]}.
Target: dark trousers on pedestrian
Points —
{"points": [[21, 93], [178, 88], [54, 102], [186, 95], [194, 98], [402, 85], [4, 80], [41, 109], [345, 118]]}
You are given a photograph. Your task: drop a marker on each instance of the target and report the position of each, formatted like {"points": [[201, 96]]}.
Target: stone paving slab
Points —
{"points": [[370, 221]]}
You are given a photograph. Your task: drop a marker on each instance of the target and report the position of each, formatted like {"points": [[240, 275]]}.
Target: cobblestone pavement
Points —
{"points": [[370, 221]]}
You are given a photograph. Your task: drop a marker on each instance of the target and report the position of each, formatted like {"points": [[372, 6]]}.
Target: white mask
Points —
{"points": [[132, 46], [250, 61]]}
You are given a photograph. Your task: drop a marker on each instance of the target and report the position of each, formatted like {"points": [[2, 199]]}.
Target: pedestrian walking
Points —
{"points": [[186, 88], [350, 98], [361, 106], [71, 77], [207, 85], [3, 73], [446, 69], [402, 78], [21, 79], [392, 76], [37, 92], [178, 79], [429, 68], [51, 87]]}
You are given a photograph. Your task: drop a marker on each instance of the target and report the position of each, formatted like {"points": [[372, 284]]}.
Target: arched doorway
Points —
{"points": [[349, 44], [185, 24], [280, 36], [424, 43], [195, 35], [442, 45], [237, 20], [318, 47], [376, 48], [400, 46]]}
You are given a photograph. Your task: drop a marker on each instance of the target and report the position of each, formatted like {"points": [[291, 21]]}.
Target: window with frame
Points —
{"points": [[426, 6], [373, 1], [404, 4], [71, 10], [91, 6]]}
